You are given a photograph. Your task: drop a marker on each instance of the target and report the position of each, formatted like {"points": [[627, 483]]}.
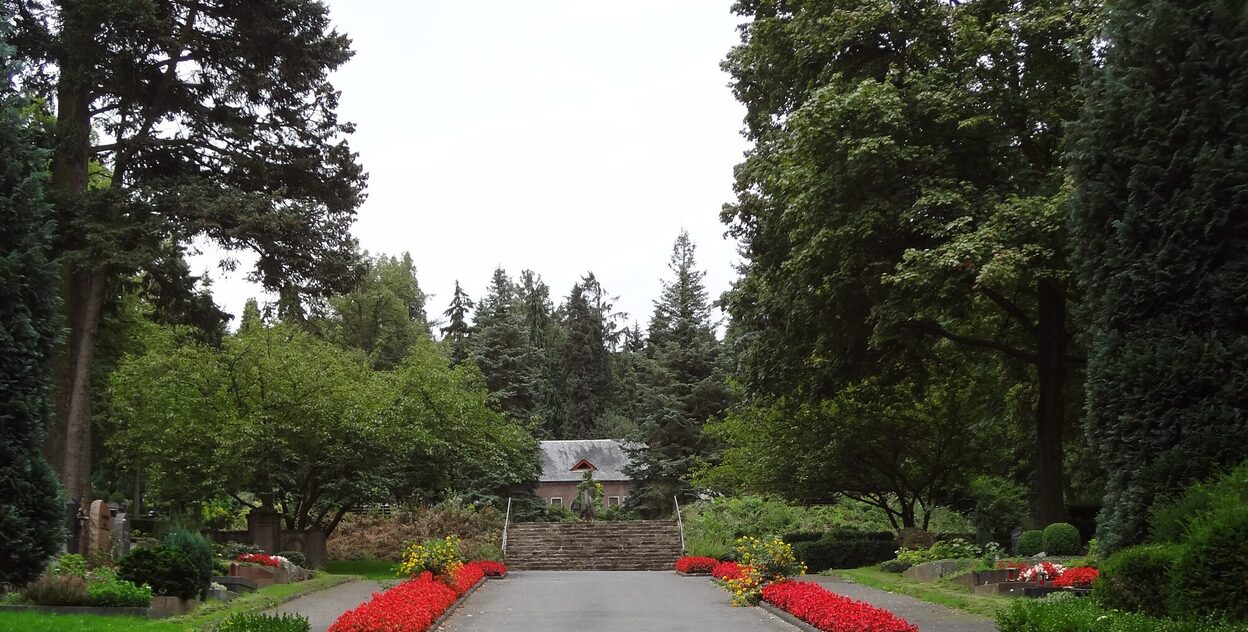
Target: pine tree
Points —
{"points": [[587, 386], [500, 347], [686, 388], [545, 336], [31, 513], [457, 333], [1161, 241]]}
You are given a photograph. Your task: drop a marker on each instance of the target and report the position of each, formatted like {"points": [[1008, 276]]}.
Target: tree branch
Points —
{"points": [[1009, 307], [935, 329]]}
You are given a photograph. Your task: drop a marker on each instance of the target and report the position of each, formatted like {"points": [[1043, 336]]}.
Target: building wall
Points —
{"points": [[566, 491]]}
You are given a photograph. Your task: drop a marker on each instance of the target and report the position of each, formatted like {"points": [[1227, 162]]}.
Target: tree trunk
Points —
{"points": [[85, 303], [1051, 340]]}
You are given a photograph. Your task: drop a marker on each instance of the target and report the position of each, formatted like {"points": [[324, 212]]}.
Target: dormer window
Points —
{"points": [[583, 465]]}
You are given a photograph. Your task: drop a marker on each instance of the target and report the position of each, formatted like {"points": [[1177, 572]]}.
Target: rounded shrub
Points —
{"points": [[1061, 538], [167, 569], [200, 551], [299, 559], [1208, 577], [1136, 579], [1030, 543], [118, 593], [1170, 520]]}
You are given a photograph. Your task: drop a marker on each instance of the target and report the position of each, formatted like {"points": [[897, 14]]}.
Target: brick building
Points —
{"points": [[565, 462]]}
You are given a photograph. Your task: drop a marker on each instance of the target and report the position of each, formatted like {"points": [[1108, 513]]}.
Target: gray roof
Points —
{"points": [[607, 455]]}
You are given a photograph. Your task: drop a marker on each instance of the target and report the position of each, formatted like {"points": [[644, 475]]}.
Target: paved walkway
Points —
{"points": [[324, 606], [929, 617], [606, 601]]}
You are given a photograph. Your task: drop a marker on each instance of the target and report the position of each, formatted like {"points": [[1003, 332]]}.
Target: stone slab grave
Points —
{"points": [[979, 578], [99, 528], [934, 571], [236, 584]]}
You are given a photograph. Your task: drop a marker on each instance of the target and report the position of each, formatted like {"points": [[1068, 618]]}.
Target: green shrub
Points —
{"points": [[1209, 576], [200, 551], [167, 569], [802, 536], [1170, 520], [119, 593], [1135, 579], [263, 623], [1085, 615], [1031, 543], [1061, 538], [71, 564], [299, 559], [231, 550], [1000, 507], [52, 589], [829, 552]]}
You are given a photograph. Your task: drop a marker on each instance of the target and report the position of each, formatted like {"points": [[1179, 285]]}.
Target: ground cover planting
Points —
{"points": [[829, 611]]}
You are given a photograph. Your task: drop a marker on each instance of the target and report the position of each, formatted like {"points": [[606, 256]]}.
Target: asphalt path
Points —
{"points": [[323, 607], [605, 601]]}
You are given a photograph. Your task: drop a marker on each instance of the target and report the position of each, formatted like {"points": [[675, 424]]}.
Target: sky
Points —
{"points": [[560, 136]]}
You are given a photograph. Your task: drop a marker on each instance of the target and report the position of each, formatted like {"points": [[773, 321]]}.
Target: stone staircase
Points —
{"points": [[626, 545]]}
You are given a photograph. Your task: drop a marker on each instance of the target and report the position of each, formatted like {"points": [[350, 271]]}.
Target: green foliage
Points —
{"points": [[1000, 506], [1136, 579], [1162, 257], [383, 315], [1170, 520], [585, 363], [33, 516], [455, 334], [297, 558], [1085, 615], [118, 593], [830, 552], [51, 589], [251, 622], [1061, 538], [197, 548], [71, 564], [1208, 577], [712, 527], [1030, 543], [502, 349], [167, 569]]}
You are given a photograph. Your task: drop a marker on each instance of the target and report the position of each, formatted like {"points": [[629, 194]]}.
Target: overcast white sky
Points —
{"points": [[560, 136]]}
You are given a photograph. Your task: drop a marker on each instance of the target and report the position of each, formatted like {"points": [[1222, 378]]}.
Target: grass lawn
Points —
{"points": [[371, 569], [202, 618], [942, 592]]}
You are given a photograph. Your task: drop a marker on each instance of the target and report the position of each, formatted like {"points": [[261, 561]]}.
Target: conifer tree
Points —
{"points": [[384, 314], [31, 513], [587, 387], [500, 347], [545, 338], [1161, 242], [687, 386], [457, 332]]}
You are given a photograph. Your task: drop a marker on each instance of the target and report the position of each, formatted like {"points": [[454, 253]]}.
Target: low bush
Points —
{"points": [[297, 558], [412, 606], [1135, 579], [1170, 521], [71, 564], [244, 622], [200, 551], [119, 593], [1031, 543], [1061, 538], [690, 564], [829, 553], [831, 612], [1086, 615], [1209, 576], [375, 537], [52, 589], [802, 536], [166, 569], [442, 557], [726, 570], [1078, 577]]}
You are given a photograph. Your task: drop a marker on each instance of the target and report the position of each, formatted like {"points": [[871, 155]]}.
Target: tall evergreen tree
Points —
{"points": [[457, 332], [1161, 239], [500, 347], [687, 387], [385, 313], [546, 337], [587, 386], [31, 513]]}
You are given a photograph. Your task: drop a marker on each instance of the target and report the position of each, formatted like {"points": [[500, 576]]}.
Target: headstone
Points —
{"points": [[121, 533], [913, 538], [934, 571], [72, 544], [99, 528], [264, 526]]}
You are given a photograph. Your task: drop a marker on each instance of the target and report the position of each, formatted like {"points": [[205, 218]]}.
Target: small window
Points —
{"points": [[613, 501], [556, 502]]}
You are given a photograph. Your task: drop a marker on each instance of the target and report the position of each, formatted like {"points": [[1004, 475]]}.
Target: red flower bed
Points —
{"points": [[696, 564], [491, 569], [831, 612], [259, 558], [412, 606], [726, 571], [1082, 577]]}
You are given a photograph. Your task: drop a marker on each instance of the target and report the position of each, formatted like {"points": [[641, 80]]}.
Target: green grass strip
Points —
{"points": [[942, 592], [371, 569], [211, 613]]}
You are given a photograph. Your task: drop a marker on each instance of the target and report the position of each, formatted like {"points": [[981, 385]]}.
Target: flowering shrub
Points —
{"points": [[831, 612], [259, 559], [773, 558], [1081, 577], [491, 569], [1044, 571], [726, 571], [696, 564], [746, 587], [413, 605], [442, 558]]}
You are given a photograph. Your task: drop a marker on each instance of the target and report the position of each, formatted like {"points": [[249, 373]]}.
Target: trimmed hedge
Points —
{"points": [[1061, 538], [829, 553], [841, 535], [1208, 577], [1030, 543], [1136, 579], [242, 622]]}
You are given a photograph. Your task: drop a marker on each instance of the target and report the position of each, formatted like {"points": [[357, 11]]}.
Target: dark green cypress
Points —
{"points": [[1160, 232], [31, 509]]}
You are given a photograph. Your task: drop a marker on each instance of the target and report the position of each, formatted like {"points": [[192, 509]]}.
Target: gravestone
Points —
{"points": [[73, 543], [264, 526], [99, 528], [121, 533]]}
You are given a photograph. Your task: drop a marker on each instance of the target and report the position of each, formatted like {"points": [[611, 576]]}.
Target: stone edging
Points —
{"points": [[787, 617], [683, 574], [89, 610], [437, 623], [503, 576]]}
